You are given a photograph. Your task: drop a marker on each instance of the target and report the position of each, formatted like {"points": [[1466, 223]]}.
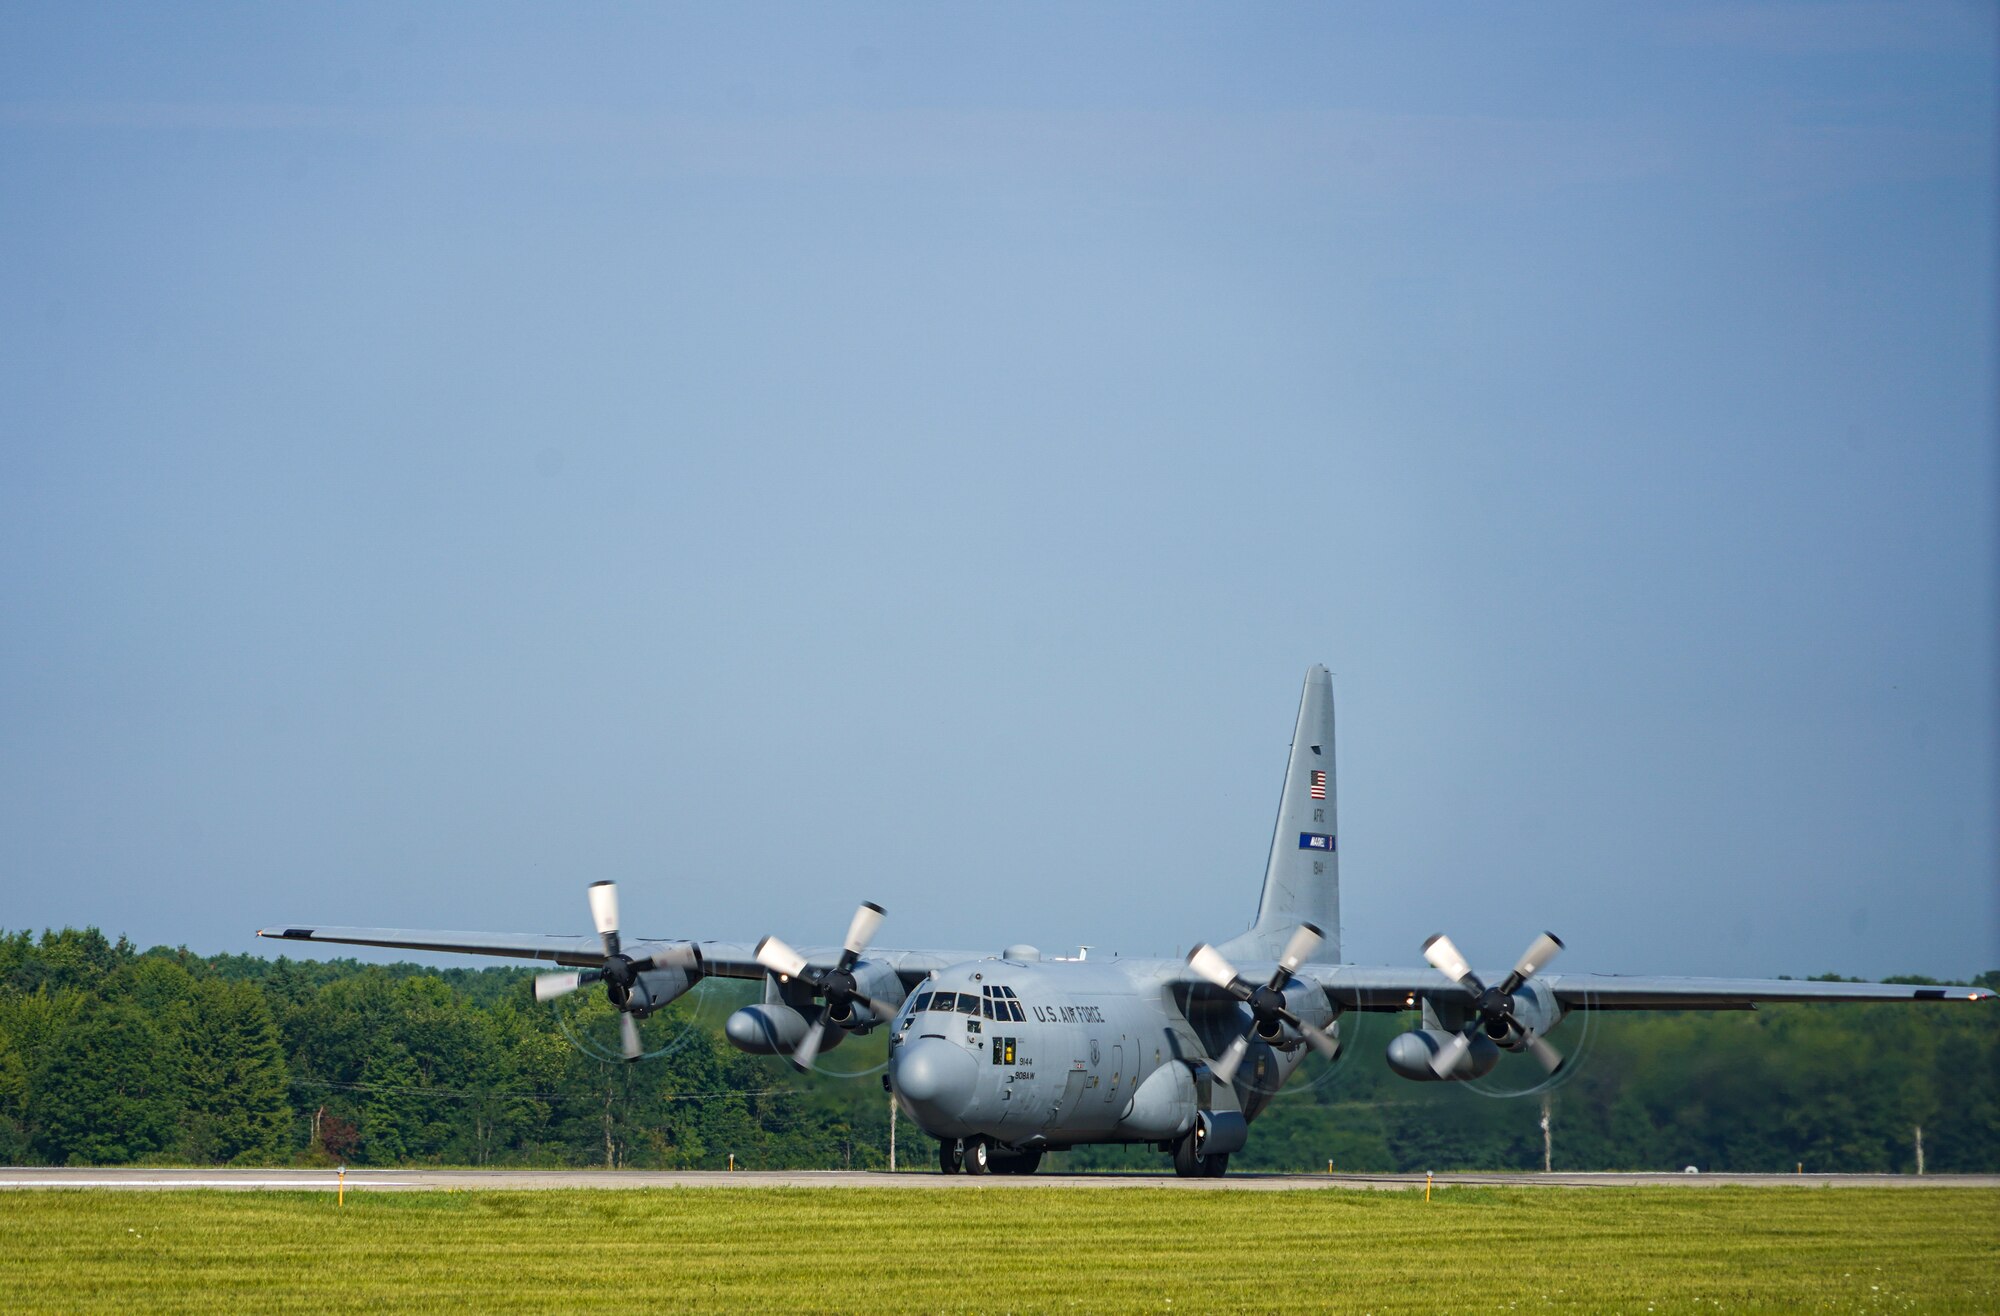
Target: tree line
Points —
{"points": [[111, 1055]]}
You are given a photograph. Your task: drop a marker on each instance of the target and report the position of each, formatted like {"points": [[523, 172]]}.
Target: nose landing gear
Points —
{"points": [[978, 1155]]}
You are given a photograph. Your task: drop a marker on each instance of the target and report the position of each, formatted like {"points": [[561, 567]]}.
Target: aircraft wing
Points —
{"points": [[719, 959], [1358, 988], [583, 951], [1612, 991], [733, 959]]}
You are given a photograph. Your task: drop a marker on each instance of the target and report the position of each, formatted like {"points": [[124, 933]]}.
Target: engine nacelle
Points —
{"points": [[1535, 1009], [873, 979], [1410, 1056], [656, 989]]}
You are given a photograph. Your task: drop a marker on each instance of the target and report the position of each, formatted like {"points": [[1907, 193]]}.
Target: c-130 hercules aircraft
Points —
{"points": [[1002, 1057]]}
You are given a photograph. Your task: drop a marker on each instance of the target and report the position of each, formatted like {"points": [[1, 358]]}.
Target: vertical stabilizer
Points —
{"points": [[1302, 878]]}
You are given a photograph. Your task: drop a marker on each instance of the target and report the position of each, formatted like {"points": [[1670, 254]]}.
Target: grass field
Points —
{"points": [[675, 1250]]}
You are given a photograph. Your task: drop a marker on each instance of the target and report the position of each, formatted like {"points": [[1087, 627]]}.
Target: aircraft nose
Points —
{"points": [[935, 1075]]}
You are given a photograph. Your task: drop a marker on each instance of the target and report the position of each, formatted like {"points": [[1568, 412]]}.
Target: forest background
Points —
{"points": [[111, 1055]]}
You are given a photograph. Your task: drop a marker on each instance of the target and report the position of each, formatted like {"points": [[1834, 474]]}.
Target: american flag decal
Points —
{"points": [[1319, 785]]}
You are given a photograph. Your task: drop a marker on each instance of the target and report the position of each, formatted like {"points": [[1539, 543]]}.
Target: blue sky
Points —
{"points": [[778, 457]]}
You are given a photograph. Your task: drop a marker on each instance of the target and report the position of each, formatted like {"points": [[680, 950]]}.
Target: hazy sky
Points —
{"points": [[776, 457]]}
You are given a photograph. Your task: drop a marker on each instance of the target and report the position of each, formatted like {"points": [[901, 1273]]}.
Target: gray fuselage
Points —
{"points": [[1053, 1053]]}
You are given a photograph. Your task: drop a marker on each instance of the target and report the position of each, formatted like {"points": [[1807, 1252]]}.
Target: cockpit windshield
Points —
{"points": [[992, 1006]]}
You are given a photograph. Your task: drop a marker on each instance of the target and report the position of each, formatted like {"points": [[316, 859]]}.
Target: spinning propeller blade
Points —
{"points": [[807, 1050], [1445, 957], [604, 913], [548, 986], [628, 1034], [1225, 1065], [1533, 961], [1446, 1058], [780, 959], [867, 922], [1207, 961], [1305, 940]]}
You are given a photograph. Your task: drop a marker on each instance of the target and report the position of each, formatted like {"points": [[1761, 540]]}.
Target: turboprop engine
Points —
{"points": [[636, 986], [1466, 1042], [857, 995], [777, 1025]]}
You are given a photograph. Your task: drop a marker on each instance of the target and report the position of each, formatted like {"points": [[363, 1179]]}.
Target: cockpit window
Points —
{"points": [[986, 1006], [923, 1003], [1016, 1015], [968, 1003]]}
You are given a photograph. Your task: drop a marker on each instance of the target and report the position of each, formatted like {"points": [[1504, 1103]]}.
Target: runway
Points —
{"points": [[157, 1180]]}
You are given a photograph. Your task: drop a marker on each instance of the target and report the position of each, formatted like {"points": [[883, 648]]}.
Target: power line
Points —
{"points": [[471, 1094]]}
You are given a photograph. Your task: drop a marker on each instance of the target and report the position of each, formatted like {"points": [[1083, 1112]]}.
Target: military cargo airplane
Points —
{"points": [[1004, 1055]]}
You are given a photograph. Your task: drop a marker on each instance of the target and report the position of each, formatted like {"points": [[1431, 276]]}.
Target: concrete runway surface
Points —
{"points": [[503, 1180]]}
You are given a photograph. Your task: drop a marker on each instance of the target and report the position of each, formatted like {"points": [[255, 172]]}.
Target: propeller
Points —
{"points": [[1267, 1002], [1494, 1006], [836, 986], [618, 972]]}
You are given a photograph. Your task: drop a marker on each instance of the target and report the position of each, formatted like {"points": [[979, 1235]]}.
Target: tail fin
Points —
{"points": [[1302, 879]]}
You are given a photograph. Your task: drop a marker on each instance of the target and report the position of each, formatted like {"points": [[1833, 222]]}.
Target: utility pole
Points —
{"points": [[1548, 1145]]}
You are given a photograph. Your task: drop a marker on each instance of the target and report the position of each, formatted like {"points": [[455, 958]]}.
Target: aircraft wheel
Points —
{"points": [[950, 1159], [978, 1156], [1188, 1162], [1017, 1162], [1214, 1167]]}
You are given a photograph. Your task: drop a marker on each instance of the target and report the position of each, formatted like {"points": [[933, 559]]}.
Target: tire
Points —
{"points": [[1017, 1162], [1188, 1162], [979, 1157], [1214, 1167], [950, 1159]]}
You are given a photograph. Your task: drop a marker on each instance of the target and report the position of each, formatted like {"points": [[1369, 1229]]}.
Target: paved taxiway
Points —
{"points": [[502, 1180]]}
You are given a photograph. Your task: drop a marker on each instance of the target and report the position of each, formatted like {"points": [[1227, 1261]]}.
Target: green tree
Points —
{"points": [[392, 1117], [234, 1076], [104, 1093]]}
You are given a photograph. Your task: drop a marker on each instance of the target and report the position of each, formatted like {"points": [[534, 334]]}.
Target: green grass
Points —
{"points": [[1058, 1249]]}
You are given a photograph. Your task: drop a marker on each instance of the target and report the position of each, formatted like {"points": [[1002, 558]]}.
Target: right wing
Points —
{"points": [[717, 959], [583, 951], [1358, 988]]}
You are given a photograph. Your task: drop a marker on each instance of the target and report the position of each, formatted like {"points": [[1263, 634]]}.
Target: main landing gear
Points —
{"points": [[1191, 1163], [977, 1155]]}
